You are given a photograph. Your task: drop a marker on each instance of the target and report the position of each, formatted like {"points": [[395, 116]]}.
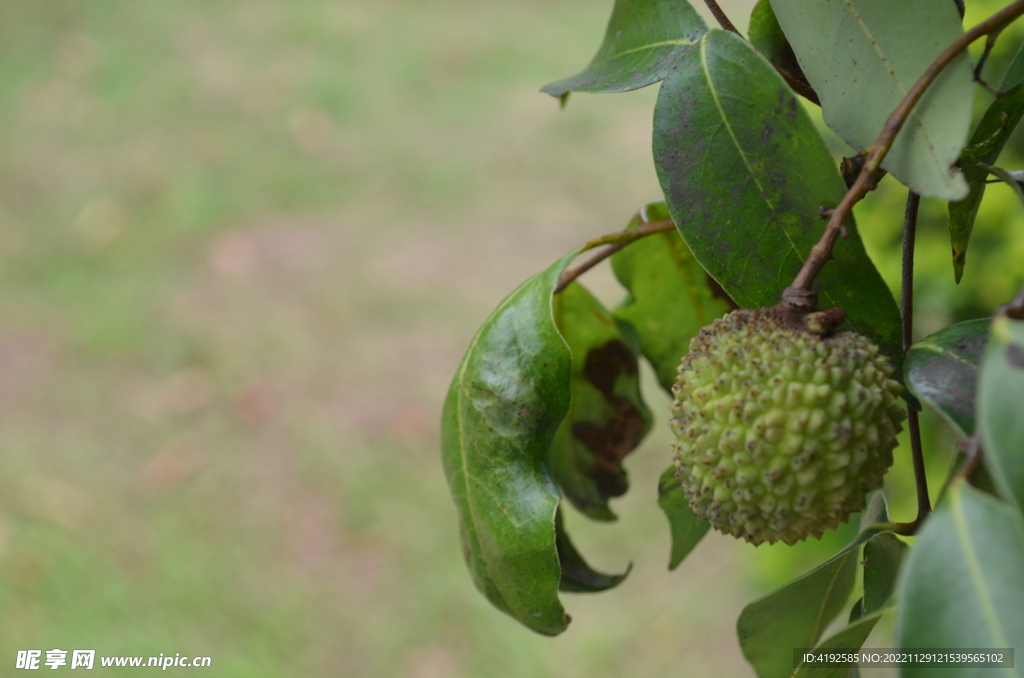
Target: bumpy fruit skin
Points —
{"points": [[781, 432]]}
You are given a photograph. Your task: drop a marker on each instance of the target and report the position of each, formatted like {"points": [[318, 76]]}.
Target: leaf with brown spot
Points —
{"points": [[744, 171], [607, 418]]}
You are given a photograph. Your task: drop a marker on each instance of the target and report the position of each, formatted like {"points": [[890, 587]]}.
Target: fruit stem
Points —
{"points": [[800, 294], [614, 242]]}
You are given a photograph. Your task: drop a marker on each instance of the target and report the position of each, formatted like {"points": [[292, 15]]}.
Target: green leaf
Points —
{"points": [[796, 615], [643, 41], [607, 418], [961, 585], [767, 37], [577, 576], [942, 370], [670, 296], [1001, 406], [1015, 73], [863, 56], [985, 145], [883, 554], [505, 403], [686, 528], [744, 172], [848, 640]]}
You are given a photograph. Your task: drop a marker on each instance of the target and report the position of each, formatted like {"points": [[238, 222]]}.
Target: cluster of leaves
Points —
{"points": [[546, 403]]}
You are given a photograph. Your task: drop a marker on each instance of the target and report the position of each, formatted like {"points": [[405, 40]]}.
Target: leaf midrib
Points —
{"points": [[746, 162], [977, 578]]}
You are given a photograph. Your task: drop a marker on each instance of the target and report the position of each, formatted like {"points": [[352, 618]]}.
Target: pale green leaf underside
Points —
{"points": [[863, 56], [1001, 406], [961, 585]]}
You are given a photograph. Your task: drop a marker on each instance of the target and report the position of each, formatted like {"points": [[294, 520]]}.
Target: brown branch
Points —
{"points": [[990, 42], [800, 294], [723, 20], [801, 87], [614, 243], [924, 506]]}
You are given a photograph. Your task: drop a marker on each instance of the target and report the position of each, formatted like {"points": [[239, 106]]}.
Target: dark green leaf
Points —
{"points": [[643, 40], [505, 403], [744, 172], [767, 38], [607, 418], [883, 554], [1001, 406], [848, 640], [961, 585], [1015, 73], [796, 615], [857, 611], [577, 576], [863, 56], [985, 145], [687, 529], [942, 370], [670, 295]]}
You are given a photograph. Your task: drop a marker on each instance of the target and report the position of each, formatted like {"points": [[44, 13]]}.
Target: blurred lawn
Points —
{"points": [[242, 248]]}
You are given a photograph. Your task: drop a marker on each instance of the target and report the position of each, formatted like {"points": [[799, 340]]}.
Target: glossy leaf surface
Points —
{"points": [[607, 418], [577, 575], [643, 40], [670, 295], [796, 615], [1001, 406], [961, 586], [505, 403], [942, 370], [687, 529], [863, 56], [744, 172], [985, 145]]}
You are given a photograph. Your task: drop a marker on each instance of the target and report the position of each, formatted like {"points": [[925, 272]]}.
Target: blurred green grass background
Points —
{"points": [[242, 248]]}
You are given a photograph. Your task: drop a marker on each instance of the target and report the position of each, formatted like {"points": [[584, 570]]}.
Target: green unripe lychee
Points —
{"points": [[782, 431]]}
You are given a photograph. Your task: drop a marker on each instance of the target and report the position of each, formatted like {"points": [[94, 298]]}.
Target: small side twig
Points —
{"points": [[798, 85], [800, 295], [989, 44], [612, 244], [720, 16]]}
